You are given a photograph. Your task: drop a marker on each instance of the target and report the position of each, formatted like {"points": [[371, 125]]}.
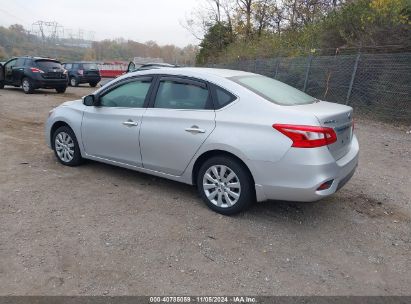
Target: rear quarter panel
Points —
{"points": [[244, 128]]}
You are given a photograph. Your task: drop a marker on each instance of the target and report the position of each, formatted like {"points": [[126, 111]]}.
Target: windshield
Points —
{"points": [[273, 90], [90, 66], [48, 65]]}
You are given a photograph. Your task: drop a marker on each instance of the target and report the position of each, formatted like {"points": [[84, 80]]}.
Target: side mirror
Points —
{"points": [[131, 67], [89, 100]]}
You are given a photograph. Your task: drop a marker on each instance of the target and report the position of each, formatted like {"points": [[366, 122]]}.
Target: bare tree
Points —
{"points": [[246, 7]]}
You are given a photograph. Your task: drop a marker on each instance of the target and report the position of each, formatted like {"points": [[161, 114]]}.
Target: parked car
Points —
{"points": [[82, 72], [33, 73], [149, 66], [237, 136]]}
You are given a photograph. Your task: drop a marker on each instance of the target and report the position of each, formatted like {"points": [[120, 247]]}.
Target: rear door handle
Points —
{"points": [[130, 123], [195, 130]]}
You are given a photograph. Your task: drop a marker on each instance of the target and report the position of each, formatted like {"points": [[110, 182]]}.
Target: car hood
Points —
{"points": [[72, 103]]}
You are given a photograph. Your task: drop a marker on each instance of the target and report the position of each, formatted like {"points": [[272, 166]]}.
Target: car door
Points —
{"points": [[111, 129], [18, 71], [176, 124], [8, 71]]}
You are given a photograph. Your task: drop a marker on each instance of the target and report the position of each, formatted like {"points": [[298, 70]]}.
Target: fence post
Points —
{"points": [[354, 72], [276, 68], [307, 72]]}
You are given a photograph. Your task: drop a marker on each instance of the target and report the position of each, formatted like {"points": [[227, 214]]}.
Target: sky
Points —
{"points": [[139, 20]]}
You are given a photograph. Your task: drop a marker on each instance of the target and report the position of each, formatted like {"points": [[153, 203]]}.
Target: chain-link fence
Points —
{"points": [[378, 85]]}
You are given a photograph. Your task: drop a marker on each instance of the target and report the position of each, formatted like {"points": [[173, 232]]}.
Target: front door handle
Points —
{"points": [[130, 123], [195, 130]]}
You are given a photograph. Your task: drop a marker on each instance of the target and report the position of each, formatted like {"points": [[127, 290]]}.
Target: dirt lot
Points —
{"points": [[98, 229]]}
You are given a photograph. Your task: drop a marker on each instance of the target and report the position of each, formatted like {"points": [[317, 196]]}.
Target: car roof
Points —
{"points": [[196, 72], [80, 62]]}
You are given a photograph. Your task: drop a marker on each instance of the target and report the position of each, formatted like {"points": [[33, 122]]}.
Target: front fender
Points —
{"points": [[69, 116]]}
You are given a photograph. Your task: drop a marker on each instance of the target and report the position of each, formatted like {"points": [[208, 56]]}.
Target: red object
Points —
{"points": [[307, 136], [325, 186], [113, 69], [36, 70]]}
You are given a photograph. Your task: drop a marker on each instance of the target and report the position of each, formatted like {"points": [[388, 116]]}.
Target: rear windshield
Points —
{"points": [[90, 66], [47, 64], [273, 90]]}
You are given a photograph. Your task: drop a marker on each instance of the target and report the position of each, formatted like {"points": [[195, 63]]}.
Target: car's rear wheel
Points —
{"points": [[74, 82], [93, 84], [66, 147], [225, 185], [61, 90], [27, 85]]}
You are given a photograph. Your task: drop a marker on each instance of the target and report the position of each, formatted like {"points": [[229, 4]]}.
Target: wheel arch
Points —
{"points": [[212, 153], [54, 127]]}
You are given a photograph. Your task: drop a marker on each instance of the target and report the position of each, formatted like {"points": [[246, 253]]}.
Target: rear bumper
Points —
{"points": [[301, 172], [50, 83]]}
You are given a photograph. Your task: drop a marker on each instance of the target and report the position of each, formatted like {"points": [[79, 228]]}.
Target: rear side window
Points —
{"points": [[273, 90], [181, 95], [222, 97], [90, 66], [20, 62], [48, 65]]}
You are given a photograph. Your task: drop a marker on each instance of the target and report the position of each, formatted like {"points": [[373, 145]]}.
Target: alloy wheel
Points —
{"points": [[64, 146], [26, 85], [221, 186]]}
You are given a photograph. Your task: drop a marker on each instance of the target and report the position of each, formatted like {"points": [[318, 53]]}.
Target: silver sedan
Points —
{"points": [[239, 137]]}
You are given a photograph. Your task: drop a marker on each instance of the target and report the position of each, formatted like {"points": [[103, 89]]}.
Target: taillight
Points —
{"points": [[36, 70], [80, 72], [307, 136]]}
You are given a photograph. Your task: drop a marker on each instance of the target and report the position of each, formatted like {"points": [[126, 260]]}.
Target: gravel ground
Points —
{"points": [[102, 230]]}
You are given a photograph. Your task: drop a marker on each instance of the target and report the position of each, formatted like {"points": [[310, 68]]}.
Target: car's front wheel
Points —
{"points": [[1, 85], [225, 185], [66, 147]]}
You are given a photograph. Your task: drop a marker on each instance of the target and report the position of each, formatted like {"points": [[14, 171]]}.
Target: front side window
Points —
{"points": [[129, 95], [273, 90], [9, 66], [68, 66], [181, 95]]}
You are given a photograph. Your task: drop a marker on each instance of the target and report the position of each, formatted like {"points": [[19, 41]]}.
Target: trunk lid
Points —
{"points": [[338, 117]]}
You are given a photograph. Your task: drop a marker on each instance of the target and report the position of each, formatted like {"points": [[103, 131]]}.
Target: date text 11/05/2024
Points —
{"points": [[205, 299]]}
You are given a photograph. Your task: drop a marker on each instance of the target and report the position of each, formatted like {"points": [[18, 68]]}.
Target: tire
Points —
{"points": [[61, 90], [27, 85], [218, 195], [74, 82], [66, 147], [93, 84], [1, 85]]}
